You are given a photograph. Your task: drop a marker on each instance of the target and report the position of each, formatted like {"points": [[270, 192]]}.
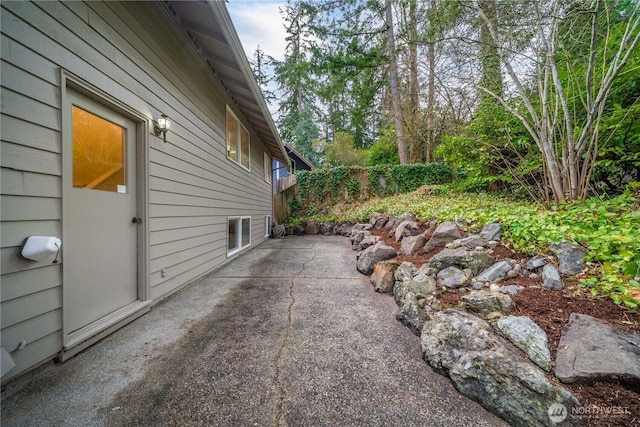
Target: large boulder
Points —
{"points": [[569, 258], [525, 334], [383, 277], [406, 293], [461, 258], [344, 229], [485, 302], [499, 269], [589, 350], [492, 231], [368, 258], [312, 227], [488, 369], [326, 228], [453, 277], [446, 232], [412, 244]]}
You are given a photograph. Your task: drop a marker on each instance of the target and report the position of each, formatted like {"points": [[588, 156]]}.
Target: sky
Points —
{"points": [[259, 22]]}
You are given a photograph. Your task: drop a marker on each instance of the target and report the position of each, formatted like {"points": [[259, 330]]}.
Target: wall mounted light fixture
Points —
{"points": [[162, 126]]}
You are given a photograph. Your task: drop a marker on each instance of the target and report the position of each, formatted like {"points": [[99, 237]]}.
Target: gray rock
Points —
{"points": [[452, 277], [534, 276], [589, 350], [569, 258], [473, 241], [358, 228], [326, 228], [358, 238], [551, 278], [510, 289], [446, 232], [394, 221], [536, 262], [297, 230], [512, 274], [406, 228], [344, 229], [406, 270], [492, 231], [378, 220], [419, 284], [485, 302], [474, 260], [422, 284], [486, 368], [412, 244], [391, 222], [405, 293], [368, 258], [477, 285], [368, 241], [410, 314], [312, 227], [499, 269], [426, 270], [383, 278], [525, 334]]}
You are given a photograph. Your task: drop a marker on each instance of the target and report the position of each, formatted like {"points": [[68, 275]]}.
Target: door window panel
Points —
{"points": [[98, 153]]}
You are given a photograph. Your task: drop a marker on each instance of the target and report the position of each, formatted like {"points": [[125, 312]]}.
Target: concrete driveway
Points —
{"points": [[288, 334]]}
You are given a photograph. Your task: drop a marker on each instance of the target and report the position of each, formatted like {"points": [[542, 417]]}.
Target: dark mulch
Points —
{"points": [[551, 311]]}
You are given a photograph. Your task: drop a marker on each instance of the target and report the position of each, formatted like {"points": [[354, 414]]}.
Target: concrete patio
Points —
{"points": [[288, 333]]}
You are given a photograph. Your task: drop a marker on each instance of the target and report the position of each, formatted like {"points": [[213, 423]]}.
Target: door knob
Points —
{"points": [[136, 220]]}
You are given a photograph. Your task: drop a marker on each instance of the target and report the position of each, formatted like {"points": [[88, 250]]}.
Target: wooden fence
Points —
{"points": [[285, 182], [282, 202]]}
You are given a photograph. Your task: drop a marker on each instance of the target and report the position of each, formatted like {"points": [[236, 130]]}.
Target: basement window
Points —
{"points": [[238, 234], [267, 226]]}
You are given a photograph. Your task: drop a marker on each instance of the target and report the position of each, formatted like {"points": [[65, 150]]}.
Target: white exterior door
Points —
{"points": [[100, 257]]}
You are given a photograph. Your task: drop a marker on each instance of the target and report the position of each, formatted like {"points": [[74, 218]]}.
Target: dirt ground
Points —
{"points": [[551, 311]]}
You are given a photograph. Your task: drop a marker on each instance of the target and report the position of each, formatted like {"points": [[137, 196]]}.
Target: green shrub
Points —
{"points": [[608, 229]]}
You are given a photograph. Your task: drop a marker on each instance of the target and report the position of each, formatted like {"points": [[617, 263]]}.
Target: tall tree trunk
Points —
{"points": [[413, 81], [398, 117], [431, 96]]}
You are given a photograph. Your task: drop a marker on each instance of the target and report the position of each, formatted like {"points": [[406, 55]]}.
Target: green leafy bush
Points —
{"points": [[608, 229], [321, 187]]}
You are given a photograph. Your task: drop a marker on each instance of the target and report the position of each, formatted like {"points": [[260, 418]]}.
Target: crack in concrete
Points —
{"points": [[281, 391]]}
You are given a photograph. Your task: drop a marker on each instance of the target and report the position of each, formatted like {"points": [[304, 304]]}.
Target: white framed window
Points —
{"points": [[238, 233], [238, 148], [267, 168], [267, 226]]}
